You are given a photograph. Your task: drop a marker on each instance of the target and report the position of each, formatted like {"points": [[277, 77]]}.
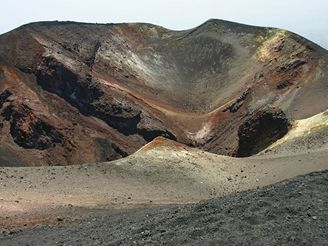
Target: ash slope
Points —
{"points": [[304, 135], [288, 213], [75, 93], [162, 173]]}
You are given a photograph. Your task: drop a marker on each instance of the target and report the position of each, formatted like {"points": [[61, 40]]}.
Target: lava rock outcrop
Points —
{"points": [[28, 131], [259, 131]]}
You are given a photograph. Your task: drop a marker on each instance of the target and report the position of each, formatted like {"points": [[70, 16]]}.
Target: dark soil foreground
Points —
{"points": [[293, 212]]}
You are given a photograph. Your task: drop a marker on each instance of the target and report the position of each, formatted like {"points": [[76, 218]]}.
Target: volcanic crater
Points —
{"points": [[73, 93]]}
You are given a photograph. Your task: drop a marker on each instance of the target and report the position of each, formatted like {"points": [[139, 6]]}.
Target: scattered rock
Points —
{"points": [[59, 219]]}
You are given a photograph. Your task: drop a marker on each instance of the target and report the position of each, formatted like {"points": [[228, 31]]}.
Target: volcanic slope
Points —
{"points": [[162, 173], [304, 135], [287, 213], [74, 93]]}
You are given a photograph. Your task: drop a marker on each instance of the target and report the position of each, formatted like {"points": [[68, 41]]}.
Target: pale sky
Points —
{"points": [[308, 18]]}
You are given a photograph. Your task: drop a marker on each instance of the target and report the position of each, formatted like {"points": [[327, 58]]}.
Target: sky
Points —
{"points": [[308, 18]]}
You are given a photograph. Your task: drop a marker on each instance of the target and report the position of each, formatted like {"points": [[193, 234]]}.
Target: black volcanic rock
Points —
{"points": [[259, 131]]}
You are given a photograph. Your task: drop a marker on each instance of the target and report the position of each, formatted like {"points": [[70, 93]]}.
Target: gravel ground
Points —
{"points": [[293, 212]]}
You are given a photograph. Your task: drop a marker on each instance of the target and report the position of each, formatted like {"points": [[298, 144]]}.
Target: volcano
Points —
{"points": [[223, 126], [73, 93]]}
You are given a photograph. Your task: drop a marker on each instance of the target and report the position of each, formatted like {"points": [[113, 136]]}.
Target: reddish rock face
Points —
{"points": [[74, 93]]}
